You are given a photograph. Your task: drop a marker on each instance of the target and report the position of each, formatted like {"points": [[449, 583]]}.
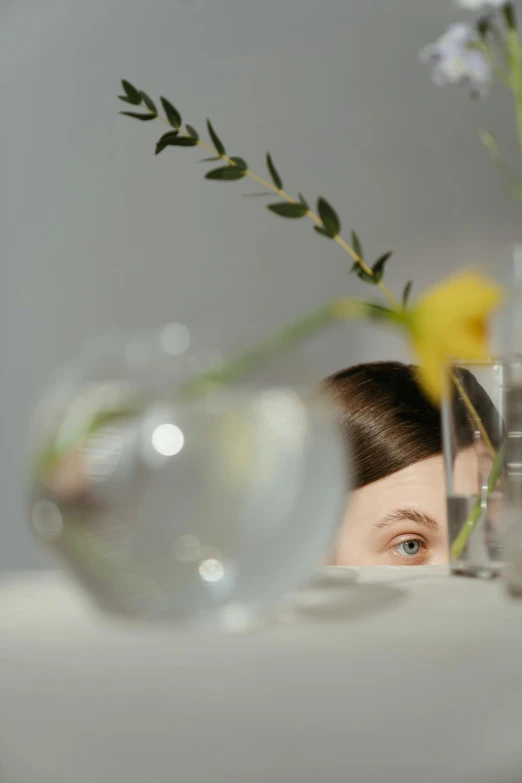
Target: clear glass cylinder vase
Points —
{"points": [[474, 429]]}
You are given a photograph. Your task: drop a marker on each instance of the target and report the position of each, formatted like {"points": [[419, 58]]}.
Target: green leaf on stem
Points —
{"points": [[303, 201], [329, 217], [287, 209], [192, 132], [378, 267], [126, 99], [139, 116], [182, 141], [149, 103], [216, 141], [209, 160], [166, 140], [226, 173], [406, 293], [322, 231], [173, 115], [240, 163], [276, 179], [357, 246], [362, 274], [131, 92]]}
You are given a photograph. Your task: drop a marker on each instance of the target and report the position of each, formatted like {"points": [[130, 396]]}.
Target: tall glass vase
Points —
{"points": [[511, 341], [513, 480], [473, 430]]}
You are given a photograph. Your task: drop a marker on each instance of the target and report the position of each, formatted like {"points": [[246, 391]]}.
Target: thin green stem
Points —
{"points": [[285, 340], [511, 76], [489, 141], [514, 49], [474, 415], [469, 525], [500, 44], [291, 336], [497, 67]]}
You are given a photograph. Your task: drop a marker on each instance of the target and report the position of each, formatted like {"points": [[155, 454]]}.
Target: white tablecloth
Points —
{"points": [[384, 674]]}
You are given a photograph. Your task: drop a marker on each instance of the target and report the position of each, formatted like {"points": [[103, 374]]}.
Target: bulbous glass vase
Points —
{"points": [[170, 504]]}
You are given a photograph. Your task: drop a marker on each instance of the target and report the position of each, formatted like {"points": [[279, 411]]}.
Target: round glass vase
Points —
{"points": [[169, 504], [474, 430]]}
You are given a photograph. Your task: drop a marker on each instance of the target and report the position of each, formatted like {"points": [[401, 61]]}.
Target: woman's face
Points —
{"points": [[401, 519]]}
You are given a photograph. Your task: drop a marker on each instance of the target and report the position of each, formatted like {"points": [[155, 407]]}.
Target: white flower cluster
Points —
{"points": [[454, 60]]}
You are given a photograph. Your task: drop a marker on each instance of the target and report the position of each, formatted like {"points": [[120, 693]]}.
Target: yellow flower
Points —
{"points": [[450, 322]]}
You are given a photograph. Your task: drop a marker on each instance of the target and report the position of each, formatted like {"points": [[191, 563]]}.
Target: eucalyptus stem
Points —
{"points": [[384, 288], [310, 214]]}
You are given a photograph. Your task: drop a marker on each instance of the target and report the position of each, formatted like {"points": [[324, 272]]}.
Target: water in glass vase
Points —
{"points": [[477, 547]]}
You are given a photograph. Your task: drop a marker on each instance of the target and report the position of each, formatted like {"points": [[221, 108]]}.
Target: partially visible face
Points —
{"points": [[401, 519]]}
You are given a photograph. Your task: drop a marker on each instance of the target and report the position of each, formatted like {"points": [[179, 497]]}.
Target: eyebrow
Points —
{"points": [[409, 514]]}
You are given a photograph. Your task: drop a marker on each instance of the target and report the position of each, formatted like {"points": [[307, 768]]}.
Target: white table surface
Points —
{"points": [[384, 674]]}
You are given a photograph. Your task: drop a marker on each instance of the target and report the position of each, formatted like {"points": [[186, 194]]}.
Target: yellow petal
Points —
{"points": [[464, 296], [430, 371], [450, 322], [466, 344]]}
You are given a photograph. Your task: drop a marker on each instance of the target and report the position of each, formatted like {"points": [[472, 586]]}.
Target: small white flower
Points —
{"points": [[453, 60], [479, 5]]}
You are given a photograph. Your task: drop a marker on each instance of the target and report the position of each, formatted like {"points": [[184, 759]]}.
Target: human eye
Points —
{"points": [[412, 550]]}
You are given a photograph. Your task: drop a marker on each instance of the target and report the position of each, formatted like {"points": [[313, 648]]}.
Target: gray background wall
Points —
{"points": [[96, 232]]}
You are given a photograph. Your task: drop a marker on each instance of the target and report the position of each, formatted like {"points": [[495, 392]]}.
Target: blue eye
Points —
{"points": [[409, 548]]}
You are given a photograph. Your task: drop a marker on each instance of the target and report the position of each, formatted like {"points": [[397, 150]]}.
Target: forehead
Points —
{"points": [[419, 473], [421, 486]]}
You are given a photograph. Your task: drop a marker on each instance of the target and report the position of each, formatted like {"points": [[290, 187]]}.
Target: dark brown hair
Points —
{"points": [[387, 421]]}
